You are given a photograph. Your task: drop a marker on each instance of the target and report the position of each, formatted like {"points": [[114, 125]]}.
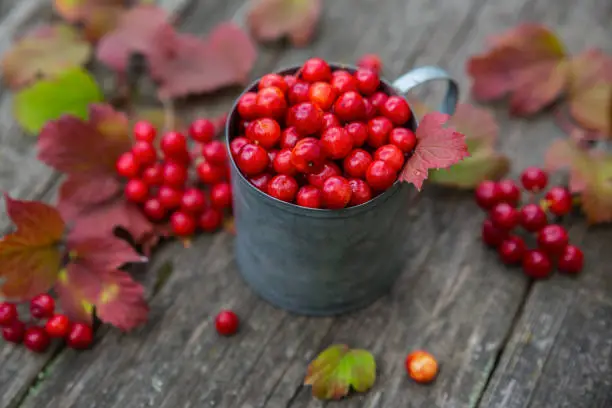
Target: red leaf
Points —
{"points": [[72, 300], [437, 147], [30, 257], [78, 193], [199, 65], [273, 19], [101, 251]]}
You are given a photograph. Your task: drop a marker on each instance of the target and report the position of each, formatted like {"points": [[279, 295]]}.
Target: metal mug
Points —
{"points": [[321, 262]]}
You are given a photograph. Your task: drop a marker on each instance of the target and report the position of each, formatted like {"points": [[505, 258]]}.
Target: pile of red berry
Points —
{"points": [[322, 138], [38, 338], [162, 184], [500, 200]]}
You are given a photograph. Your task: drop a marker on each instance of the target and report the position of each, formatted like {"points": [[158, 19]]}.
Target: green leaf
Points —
{"points": [[482, 165], [338, 369], [67, 94]]}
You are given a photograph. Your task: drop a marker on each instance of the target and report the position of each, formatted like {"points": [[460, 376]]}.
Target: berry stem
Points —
{"points": [[169, 116]]}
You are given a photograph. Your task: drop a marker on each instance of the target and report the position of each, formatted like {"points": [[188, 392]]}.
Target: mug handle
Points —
{"points": [[421, 75]]}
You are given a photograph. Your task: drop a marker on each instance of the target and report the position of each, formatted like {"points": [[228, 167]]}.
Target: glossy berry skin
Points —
{"points": [[261, 181], [273, 80], [307, 156], [298, 93], [492, 235], [367, 81], [350, 106], [309, 196], [136, 191], [58, 326], [357, 162], [183, 224], [342, 82], [289, 138], [379, 129], [322, 95], [42, 306], [536, 264], [14, 333], [153, 209], [214, 152], [290, 80], [226, 323], [271, 103], [36, 339], [252, 160], [370, 61], [282, 163], [396, 109], [173, 144], [511, 250], [144, 131], [336, 143], [380, 176], [174, 174], [283, 187], [336, 192], [210, 173], [508, 192], [421, 366], [80, 336], [8, 314], [210, 220], [265, 131], [202, 130], [370, 110], [221, 196], [329, 120], [533, 217], [534, 179], [553, 239], [237, 144], [271, 157], [127, 165], [306, 118], [153, 175], [328, 169], [193, 201], [505, 216], [559, 200], [247, 106], [403, 138], [378, 99], [169, 197], [391, 155], [571, 260], [487, 194], [144, 153], [358, 132], [315, 70], [360, 192]]}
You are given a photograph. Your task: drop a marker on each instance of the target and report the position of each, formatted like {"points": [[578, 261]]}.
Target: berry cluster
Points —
{"points": [[322, 138], [162, 185], [38, 338], [500, 200]]}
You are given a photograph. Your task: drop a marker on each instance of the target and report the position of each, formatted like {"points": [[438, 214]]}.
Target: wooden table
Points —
{"points": [[502, 341]]}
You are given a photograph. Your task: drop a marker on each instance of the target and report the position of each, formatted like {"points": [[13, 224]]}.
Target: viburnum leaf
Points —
{"points": [[338, 369], [30, 257], [528, 62], [437, 147], [72, 300], [97, 17], [273, 19], [45, 52], [70, 93]]}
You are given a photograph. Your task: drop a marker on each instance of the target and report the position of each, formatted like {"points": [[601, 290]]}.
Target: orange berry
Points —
{"points": [[421, 366]]}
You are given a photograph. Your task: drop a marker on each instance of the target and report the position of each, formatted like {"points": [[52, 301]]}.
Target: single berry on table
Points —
{"points": [[380, 176], [214, 152], [391, 155], [511, 250], [360, 192], [80, 336], [298, 93], [553, 239], [153, 175], [307, 156], [396, 109], [336, 192], [221, 196], [247, 106], [226, 323], [403, 138], [210, 219], [487, 194], [350, 106], [309, 196], [252, 160], [144, 153], [271, 102], [8, 313], [336, 143], [537, 264], [289, 138], [173, 144], [343, 82], [210, 173], [273, 80], [357, 162], [237, 144], [421, 366], [370, 61], [283, 187], [367, 81], [127, 165], [327, 170], [14, 332], [202, 130], [492, 235], [559, 200], [358, 132], [315, 70], [282, 163], [571, 260], [534, 179], [169, 197], [322, 95], [153, 209], [183, 224], [329, 120], [193, 201], [144, 131], [533, 217], [174, 174], [505, 216], [508, 192], [379, 129], [306, 118], [261, 181], [36, 339], [58, 326], [136, 191], [42, 306]]}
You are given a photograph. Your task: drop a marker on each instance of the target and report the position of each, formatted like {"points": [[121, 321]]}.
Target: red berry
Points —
{"points": [[403, 138], [336, 192], [533, 217], [80, 336], [534, 179], [127, 165], [226, 323], [536, 264], [282, 163], [174, 144], [273, 80], [329, 120], [193, 201], [380, 175], [309, 196], [169, 197], [511, 250], [367, 81], [487, 194], [8, 314], [505, 216], [379, 129], [15, 332], [252, 160], [306, 117], [336, 143], [357, 162], [396, 109], [144, 153], [290, 80], [265, 132], [328, 169], [210, 173], [136, 191], [283, 187], [559, 200], [247, 106], [358, 132], [210, 220], [183, 224], [289, 138], [261, 181], [58, 326], [378, 99], [174, 174], [370, 61], [144, 131], [571, 260], [322, 94], [215, 152], [491, 235], [36, 339], [508, 192], [153, 175], [237, 144], [271, 102], [307, 156], [298, 93], [360, 192], [390, 154], [221, 196], [553, 239], [370, 110], [350, 107], [154, 210], [271, 157], [42, 306], [202, 130], [315, 70], [342, 82]]}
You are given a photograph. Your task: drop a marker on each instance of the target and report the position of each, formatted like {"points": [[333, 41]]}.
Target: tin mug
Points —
{"points": [[321, 262]]}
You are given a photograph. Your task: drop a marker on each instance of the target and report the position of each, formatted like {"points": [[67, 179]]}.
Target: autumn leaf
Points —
{"points": [[30, 257], [70, 93], [270, 20], [437, 147], [338, 369], [97, 17], [45, 52], [528, 62]]}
